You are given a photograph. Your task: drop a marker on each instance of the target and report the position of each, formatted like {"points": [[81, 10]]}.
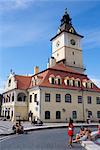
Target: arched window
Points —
{"points": [[47, 114], [68, 98], [21, 97]]}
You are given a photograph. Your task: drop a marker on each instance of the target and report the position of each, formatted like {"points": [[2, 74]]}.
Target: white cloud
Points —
{"points": [[6, 5], [91, 38]]}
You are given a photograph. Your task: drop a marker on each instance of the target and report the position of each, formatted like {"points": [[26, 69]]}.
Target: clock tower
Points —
{"points": [[66, 45]]}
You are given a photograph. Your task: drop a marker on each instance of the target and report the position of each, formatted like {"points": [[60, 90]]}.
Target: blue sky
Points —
{"points": [[26, 27]]}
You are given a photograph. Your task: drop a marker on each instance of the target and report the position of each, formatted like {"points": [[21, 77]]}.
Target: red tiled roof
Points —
{"points": [[62, 67], [63, 71], [23, 82]]}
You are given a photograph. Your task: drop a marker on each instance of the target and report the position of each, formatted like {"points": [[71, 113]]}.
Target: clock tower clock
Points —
{"points": [[66, 45]]}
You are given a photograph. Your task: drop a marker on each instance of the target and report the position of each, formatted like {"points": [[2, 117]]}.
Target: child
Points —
{"points": [[70, 132]]}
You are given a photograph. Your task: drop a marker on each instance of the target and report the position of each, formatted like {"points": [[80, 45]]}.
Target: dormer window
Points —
{"points": [[78, 82], [72, 82], [84, 83], [52, 79], [58, 80], [66, 81], [89, 84], [9, 82]]}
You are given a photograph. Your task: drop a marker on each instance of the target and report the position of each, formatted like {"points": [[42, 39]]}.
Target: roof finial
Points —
{"points": [[11, 71], [65, 11]]}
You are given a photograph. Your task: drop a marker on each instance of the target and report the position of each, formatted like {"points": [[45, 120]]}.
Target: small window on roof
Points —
{"points": [[9, 82], [66, 81], [77, 82], [58, 80], [52, 79], [72, 82]]}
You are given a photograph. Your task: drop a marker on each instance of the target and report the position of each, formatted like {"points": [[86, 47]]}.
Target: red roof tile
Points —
{"points": [[23, 82], [63, 71]]}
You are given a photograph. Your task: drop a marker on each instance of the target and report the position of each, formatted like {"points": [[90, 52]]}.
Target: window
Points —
{"points": [[24, 98], [68, 83], [13, 97], [74, 62], [4, 99], [47, 114], [35, 97], [89, 99], [74, 115], [47, 97], [68, 98], [73, 53], [9, 82], [86, 85], [21, 97], [89, 114], [79, 99], [98, 114], [79, 83], [73, 82], [97, 100], [58, 98], [58, 115], [30, 98], [52, 81], [8, 98], [58, 80]]}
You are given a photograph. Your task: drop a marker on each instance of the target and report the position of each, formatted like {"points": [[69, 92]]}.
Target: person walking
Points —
{"points": [[70, 132]]}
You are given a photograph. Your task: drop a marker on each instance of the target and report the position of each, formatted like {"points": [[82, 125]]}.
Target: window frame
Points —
{"points": [[97, 100], [89, 99], [47, 97], [74, 114], [47, 114], [98, 114], [58, 116], [30, 98], [80, 99], [58, 97], [35, 97], [66, 98]]}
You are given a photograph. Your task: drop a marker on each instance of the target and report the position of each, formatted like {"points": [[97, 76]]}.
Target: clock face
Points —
{"points": [[58, 43], [72, 41]]}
